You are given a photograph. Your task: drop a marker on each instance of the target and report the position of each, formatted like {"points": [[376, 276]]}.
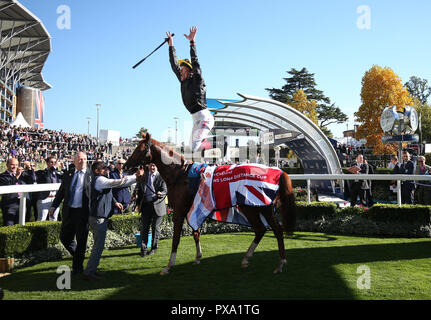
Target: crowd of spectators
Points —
{"points": [[35, 145], [34, 149]]}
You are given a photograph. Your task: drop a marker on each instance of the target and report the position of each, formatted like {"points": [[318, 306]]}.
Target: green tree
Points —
{"points": [[418, 88], [299, 80], [327, 113], [424, 112], [141, 131]]}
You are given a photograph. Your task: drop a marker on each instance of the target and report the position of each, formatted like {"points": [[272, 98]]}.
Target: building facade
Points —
{"points": [[24, 47]]}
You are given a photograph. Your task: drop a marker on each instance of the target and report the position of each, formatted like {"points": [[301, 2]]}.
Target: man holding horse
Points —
{"points": [[102, 208], [193, 91], [151, 192]]}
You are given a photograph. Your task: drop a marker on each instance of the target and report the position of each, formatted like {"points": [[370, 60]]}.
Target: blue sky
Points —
{"points": [[244, 46]]}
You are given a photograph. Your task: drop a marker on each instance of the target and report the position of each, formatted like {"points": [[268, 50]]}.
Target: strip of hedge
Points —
{"points": [[15, 240], [380, 220], [315, 209], [418, 214]]}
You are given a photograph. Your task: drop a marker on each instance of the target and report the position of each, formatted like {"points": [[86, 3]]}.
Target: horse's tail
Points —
{"points": [[288, 206]]}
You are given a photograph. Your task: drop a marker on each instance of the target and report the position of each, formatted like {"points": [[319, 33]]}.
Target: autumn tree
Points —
{"points": [[381, 87], [302, 104]]}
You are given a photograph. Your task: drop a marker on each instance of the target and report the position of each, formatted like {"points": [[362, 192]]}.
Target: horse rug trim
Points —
{"points": [[227, 187]]}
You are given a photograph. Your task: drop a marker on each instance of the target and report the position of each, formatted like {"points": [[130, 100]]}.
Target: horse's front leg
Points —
{"points": [[197, 236], [178, 225], [278, 232], [252, 215]]}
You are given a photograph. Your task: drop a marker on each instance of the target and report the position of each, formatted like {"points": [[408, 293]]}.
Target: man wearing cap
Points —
{"points": [[193, 91], [121, 194]]}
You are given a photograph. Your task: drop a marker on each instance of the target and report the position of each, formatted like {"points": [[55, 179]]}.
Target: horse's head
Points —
{"points": [[141, 156]]}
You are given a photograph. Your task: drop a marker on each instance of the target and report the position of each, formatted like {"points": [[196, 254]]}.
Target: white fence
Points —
{"points": [[24, 189], [27, 188]]}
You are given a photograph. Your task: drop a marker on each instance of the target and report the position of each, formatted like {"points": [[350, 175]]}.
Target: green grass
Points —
{"points": [[320, 266]]}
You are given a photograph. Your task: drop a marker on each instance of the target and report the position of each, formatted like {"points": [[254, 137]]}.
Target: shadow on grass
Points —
{"points": [[309, 275], [297, 236]]}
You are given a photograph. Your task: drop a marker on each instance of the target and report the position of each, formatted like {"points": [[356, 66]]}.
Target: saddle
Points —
{"points": [[194, 176]]}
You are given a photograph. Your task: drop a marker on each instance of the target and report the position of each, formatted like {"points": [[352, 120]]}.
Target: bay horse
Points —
{"points": [[173, 169]]}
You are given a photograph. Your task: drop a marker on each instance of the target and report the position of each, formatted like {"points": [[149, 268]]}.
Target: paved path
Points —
{"points": [[333, 198]]}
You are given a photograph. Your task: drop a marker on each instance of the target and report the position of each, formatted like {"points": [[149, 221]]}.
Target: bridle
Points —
{"points": [[147, 150], [142, 160], [147, 158]]}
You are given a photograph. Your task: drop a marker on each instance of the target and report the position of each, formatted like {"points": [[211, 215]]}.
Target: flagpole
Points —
{"points": [[420, 132]]}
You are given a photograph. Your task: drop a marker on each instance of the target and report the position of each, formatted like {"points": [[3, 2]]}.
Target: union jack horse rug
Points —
{"points": [[227, 187]]}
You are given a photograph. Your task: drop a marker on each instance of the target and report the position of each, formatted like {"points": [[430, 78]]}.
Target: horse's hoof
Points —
{"points": [[277, 271], [164, 272], [244, 265], [196, 262]]}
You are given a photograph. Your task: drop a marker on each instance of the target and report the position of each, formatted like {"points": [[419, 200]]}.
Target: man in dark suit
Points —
{"points": [[359, 187], [407, 187], [45, 198], [75, 190], [369, 192], [10, 202], [152, 192], [29, 177], [122, 195]]}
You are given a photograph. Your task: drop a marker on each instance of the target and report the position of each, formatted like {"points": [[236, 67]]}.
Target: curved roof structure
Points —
{"points": [[25, 45], [267, 114]]}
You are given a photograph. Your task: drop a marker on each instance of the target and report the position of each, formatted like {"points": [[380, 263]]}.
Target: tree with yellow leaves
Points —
{"points": [[381, 88], [305, 106]]}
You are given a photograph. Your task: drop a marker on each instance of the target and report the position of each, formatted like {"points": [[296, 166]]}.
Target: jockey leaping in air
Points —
{"points": [[193, 92]]}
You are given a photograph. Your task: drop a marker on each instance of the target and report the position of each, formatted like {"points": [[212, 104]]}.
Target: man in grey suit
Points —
{"points": [[151, 196], [75, 190]]}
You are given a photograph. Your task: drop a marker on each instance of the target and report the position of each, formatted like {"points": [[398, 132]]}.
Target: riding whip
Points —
{"points": [[166, 40]]}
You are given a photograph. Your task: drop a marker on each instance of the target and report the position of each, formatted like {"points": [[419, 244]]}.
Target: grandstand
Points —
{"points": [[25, 45]]}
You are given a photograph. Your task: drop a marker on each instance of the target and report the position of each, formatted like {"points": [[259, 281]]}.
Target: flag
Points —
{"points": [[39, 109], [247, 184], [227, 187]]}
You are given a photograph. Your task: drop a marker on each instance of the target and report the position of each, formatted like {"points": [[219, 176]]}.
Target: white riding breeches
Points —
{"points": [[203, 122]]}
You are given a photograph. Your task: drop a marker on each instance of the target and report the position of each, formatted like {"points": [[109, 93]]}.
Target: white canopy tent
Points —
{"points": [[19, 121]]}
